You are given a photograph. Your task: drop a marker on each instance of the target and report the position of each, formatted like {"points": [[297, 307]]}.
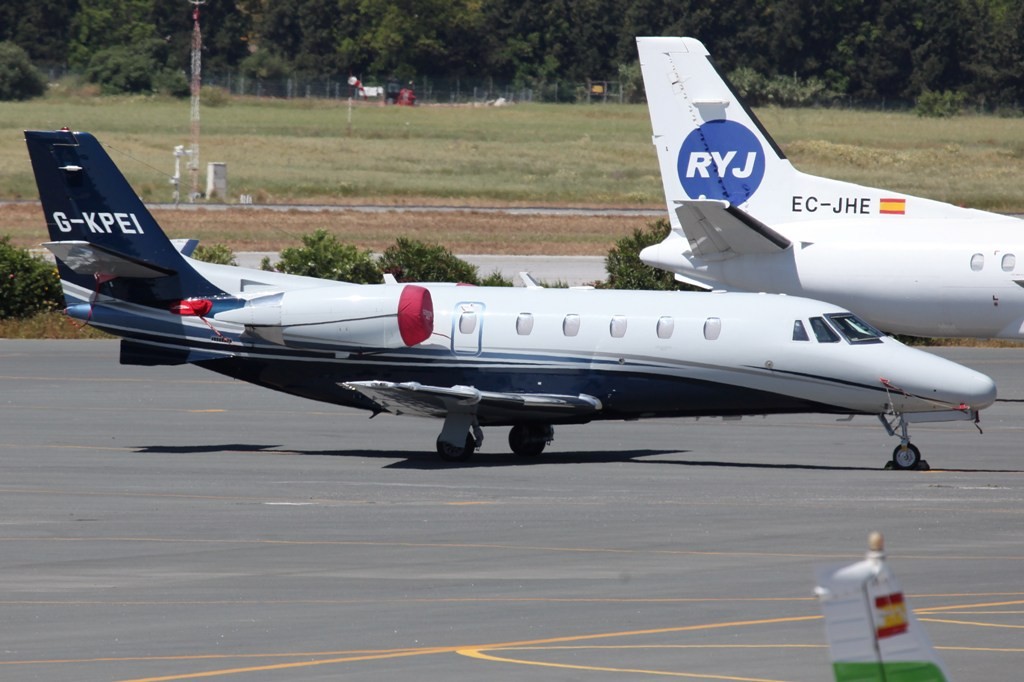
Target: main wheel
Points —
{"points": [[453, 453], [529, 440], [906, 456]]}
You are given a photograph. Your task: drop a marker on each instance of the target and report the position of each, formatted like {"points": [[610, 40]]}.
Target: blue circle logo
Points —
{"points": [[721, 160]]}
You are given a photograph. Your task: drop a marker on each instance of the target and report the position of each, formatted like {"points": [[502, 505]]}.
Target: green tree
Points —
{"points": [[226, 29], [28, 284], [18, 78], [411, 260], [265, 65], [220, 254], [322, 255], [626, 270], [409, 38], [41, 28], [305, 33], [995, 45], [103, 24], [121, 69]]}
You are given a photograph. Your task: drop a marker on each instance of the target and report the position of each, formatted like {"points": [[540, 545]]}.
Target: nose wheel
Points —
{"points": [[906, 456]]}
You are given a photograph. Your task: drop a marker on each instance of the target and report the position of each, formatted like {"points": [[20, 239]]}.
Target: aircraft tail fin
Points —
{"points": [[873, 635], [100, 231], [711, 146]]}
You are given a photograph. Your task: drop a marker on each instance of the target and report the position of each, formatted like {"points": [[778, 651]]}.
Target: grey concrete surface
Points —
{"points": [[161, 523]]}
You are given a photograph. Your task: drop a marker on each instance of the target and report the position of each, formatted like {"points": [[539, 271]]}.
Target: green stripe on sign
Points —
{"points": [[901, 671]]}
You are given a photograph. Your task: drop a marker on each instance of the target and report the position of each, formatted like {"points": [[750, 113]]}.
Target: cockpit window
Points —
{"points": [[799, 332], [822, 331], [854, 329]]}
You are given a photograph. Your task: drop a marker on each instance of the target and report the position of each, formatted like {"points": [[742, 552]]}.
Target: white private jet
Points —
{"points": [[473, 356], [743, 218]]}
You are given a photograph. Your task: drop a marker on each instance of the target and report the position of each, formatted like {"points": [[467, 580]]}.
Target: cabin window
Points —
{"points": [[977, 262], [1009, 262], [712, 328], [617, 327], [799, 332], [571, 325], [666, 325], [854, 329], [467, 322], [524, 324], [822, 331]]}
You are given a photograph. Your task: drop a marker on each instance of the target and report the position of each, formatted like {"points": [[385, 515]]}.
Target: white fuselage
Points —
{"points": [[617, 342], [925, 278]]}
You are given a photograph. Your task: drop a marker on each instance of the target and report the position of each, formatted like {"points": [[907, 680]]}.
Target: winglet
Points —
{"points": [[873, 635]]}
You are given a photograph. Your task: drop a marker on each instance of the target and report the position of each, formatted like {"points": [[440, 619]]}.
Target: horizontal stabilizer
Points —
{"points": [[84, 258], [719, 228], [439, 401]]}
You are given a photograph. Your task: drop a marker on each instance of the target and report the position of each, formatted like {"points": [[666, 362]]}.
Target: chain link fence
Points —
{"points": [[427, 89]]}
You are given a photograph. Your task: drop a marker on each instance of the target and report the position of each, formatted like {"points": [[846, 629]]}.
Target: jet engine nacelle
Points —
{"points": [[360, 315]]}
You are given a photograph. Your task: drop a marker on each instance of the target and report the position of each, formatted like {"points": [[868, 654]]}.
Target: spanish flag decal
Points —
{"points": [[890, 615], [892, 206]]}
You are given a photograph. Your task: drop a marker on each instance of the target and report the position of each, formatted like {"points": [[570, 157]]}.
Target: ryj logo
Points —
{"points": [[721, 160]]}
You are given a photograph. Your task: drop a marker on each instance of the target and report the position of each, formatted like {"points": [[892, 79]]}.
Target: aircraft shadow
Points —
{"points": [[427, 460]]}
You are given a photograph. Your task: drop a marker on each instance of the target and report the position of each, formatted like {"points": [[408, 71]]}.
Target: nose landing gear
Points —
{"points": [[906, 455]]}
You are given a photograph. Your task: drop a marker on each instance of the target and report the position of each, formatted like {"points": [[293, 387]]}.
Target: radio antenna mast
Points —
{"points": [[197, 63]]}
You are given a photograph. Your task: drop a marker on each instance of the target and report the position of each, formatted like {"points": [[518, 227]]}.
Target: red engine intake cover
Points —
{"points": [[415, 315]]}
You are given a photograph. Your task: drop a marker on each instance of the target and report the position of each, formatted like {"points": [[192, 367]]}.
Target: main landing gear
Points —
{"points": [[529, 440], [461, 436], [456, 453]]}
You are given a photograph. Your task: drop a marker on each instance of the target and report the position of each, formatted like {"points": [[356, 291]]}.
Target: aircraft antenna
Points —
{"points": [[197, 64]]}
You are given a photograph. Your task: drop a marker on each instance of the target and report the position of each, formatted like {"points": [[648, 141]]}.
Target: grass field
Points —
{"points": [[596, 155]]}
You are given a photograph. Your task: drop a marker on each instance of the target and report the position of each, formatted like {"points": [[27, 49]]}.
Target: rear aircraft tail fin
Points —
{"points": [[103, 236], [873, 635], [710, 145]]}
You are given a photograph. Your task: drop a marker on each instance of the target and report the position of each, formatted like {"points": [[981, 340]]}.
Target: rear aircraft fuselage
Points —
{"points": [[966, 283]]}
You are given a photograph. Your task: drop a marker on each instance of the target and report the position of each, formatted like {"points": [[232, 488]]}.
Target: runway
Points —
{"points": [[171, 524]]}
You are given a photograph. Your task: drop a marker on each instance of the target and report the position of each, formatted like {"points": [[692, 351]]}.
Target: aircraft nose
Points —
{"points": [[979, 390], [953, 384]]}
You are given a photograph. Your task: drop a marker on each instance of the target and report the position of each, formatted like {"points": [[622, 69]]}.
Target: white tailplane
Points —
{"points": [[873, 635]]}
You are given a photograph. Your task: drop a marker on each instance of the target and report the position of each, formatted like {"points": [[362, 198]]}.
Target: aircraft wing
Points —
{"points": [[489, 406], [717, 228], [85, 258]]}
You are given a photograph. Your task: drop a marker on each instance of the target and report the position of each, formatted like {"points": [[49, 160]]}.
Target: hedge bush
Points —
{"points": [[626, 270], [322, 255], [28, 284]]}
